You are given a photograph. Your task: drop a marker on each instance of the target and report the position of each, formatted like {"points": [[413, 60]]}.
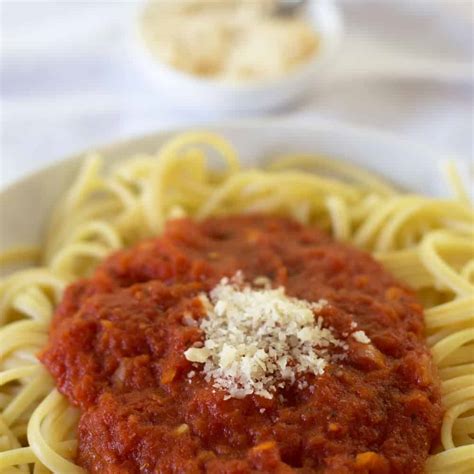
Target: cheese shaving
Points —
{"points": [[259, 339], [361, 337]]}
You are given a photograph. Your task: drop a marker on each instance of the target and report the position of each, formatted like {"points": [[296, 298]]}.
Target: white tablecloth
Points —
{"points": [[69, 81]]}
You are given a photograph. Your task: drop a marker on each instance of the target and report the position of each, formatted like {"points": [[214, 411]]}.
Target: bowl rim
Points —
{"points": [[364, 132]]}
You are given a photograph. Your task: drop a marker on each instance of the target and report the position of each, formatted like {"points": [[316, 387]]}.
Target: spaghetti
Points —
{"points": [[425, 242]]}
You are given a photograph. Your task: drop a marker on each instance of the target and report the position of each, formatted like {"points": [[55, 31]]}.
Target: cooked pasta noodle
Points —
{"points": [[427, 243]]}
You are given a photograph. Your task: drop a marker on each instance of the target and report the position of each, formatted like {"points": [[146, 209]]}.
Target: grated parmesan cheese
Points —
{"points": [[361, 337], [258, 339]]}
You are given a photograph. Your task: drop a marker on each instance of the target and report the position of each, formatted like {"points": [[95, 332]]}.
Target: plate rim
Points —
{"points": [[366, 132]]}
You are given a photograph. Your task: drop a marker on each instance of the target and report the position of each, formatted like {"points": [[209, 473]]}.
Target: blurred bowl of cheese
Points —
{"points": [[234, 56]]}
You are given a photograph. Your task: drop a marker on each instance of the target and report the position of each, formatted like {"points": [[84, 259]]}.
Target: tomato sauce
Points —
{"points": [[116, 351]]}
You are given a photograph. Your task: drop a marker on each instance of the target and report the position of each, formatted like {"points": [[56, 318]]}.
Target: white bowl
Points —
{"points": [[189, 91], [25, 205]]}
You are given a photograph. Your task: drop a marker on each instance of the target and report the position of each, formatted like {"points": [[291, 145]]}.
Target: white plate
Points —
{"points": [[26, 204]]}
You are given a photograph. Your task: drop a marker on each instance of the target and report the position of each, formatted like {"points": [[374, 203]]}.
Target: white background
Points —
{"points": [[69, 79]]}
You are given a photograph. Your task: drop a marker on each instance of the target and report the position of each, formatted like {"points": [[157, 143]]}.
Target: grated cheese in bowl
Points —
{"points": [[259, 339], [228, 40]]}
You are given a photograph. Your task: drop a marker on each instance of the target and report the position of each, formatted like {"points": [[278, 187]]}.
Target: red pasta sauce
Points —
{"points": [[116, 352]]}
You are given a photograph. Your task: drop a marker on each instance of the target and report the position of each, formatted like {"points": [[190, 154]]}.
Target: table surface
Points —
{"points": [[70, 81]]}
